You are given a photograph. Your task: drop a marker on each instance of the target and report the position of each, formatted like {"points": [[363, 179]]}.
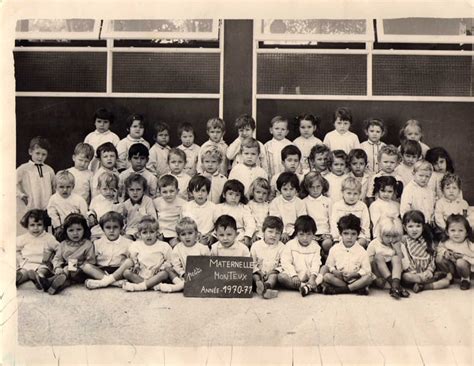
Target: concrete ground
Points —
{"points": [[419, 327]]}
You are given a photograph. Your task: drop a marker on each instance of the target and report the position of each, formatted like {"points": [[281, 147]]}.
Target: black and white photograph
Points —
{"points": [[274, 183]]}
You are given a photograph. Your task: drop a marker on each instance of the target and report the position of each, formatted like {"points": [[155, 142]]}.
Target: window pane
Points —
{"points": [[163, 25], [429, 26], [314, 26], [55, 25]]}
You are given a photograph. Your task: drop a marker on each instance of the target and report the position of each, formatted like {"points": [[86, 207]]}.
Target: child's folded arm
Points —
{"points": [[233, 149], [287, 262]]}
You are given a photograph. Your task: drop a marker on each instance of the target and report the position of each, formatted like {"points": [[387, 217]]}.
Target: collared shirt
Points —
{"points": [[246, 224], [353, 259], [444, 208], [135, 212], [111, 253], [59, 207], [192, 153], [202, 214], [96, 138], [415, 197], [320, 210], [347, 141], [38, 188], [359, 209], [158, 161], [151, 181], [181, 252], [246, 175], [122, 148], [273, 150], [266, 258], [305, 145], [301, 261], [288, 211], [372, 150]]}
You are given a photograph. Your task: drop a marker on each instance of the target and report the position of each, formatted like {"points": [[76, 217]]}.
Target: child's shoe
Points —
{"points": [[465, 285], [329, 290], [58, 282], [395, 293], [305, 290], [260, 288], [418, 287], [363, 291], [132, 287], [403, 292], [34, 278], [270, 294]]}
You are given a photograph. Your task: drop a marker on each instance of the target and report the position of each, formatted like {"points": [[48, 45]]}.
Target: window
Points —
{"points": [[57, 29]]}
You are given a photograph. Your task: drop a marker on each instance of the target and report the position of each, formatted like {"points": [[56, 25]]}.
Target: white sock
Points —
{"points": [[107, 280], [127, 286], [167, 287]]}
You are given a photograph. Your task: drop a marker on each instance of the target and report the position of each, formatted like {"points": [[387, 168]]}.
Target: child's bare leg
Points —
{"points": [[463, 267], [440, 284], [259, 285], [412, 278], [447, 266], [21, 276], [326, 244], [132, 277], [156, 279], [272, 280], [360, 283], [143, 285], [107, 280], [333, 280], [92, 271], [286, 281], [177, 285]]}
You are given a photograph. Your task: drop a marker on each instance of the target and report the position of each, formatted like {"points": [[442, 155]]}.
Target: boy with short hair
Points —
{"points": [[279, 130], [83, 154], [138, 156], [107, 155], [248, 170], [64, 202], [35, 179], [211, 159], [200, 209], [291, 160], [186, 135], [357, 162], [158, 162], [245, 125], [374, 129], [348, 265], [215, 129], [341, 138], [411, 153], [111, 253], [226, 233]]}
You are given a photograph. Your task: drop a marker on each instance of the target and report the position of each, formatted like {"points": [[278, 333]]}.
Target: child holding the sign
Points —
{"points": [[227, 245], [266, 254]]}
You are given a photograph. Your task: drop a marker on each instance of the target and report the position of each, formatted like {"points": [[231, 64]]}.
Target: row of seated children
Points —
{"points": [[403, 252]]}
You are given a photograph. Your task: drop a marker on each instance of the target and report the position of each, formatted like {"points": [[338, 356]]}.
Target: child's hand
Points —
{"points": [[337, 274], [255, 238], [458, 255], [91, 220], [285, 237], [206, 239], [247, 241], [296, 281], [58, 271], [24, 198]]}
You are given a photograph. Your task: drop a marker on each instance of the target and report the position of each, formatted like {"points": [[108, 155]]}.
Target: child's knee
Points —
{"points": [[462, 264]]}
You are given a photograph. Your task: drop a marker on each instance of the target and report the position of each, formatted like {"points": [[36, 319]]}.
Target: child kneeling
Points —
{"points": [[348, 266], [301, 258]]}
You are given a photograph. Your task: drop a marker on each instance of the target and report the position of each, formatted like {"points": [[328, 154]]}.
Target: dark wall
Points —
{"points": [[449, 125], [67, 121]]}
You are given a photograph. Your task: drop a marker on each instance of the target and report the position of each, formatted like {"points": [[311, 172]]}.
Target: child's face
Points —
{"points": [[271, 236], [81, 162], [215, 134], [163, 137], [440, 166], [305, 238], [135, 191], [414, 229], [169, 193], [187, 138], [291, 163], [315, 189], [102, 125], [112, 230], [374, 133], [260, 194], [64, 188], [38, 155], [338, 166], [349, 237], [413, 133], [358, 166], [320, 161], [457, 232], [200, 195], [451, 191], [176, 164], [245, 132], [388, 239], [108, 159], [108, 192], [388, 163], [422, 177], [35, 227], [279, 130], [138, 162], [226, 236], [188, 237], [350, 196], [210, 164], [75, 232], [232, 197], [387, 193], [341, 126], [149, 236], [136, 129], [409, 159], [250, 156], [307, 129], [288, 192]]}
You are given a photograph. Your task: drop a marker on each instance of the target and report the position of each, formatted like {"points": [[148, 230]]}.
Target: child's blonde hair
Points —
{"points": [[65, 176], [109, 180], [390, 150], [309, 180], [410, 123], [423, 165], [390, 226], [258, 183], [148, 223], [185, 223], [351, 183], [278, 119], [250, 143], [215, 123], [212, 152]]}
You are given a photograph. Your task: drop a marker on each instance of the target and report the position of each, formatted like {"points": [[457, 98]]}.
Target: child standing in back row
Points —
{"points": [[307, 125], [341, 138]]}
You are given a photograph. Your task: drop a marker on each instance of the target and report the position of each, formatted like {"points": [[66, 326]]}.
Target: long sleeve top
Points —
{"points": [[217, 185], [359, 209], [347, 141], [36, 181], [246, 175], [405, 172], [444, 208], [259, 211], [158, 160], [203, 215], [122, 148], [59, 207], [135, 212], [380, 209], [372, 151], [181, 252], [335, 186], [82, 251], [466, 248], [82, 183], [301, 261], [168, 215], [305, 145], [111, 253], [235, 250], [415, 197], [273, 152], [266, 258], [416, 258], [353, 259], [246, 224], [192, 153], [288, 211], [233, 153], [320, 210], [150, 258], [34, 249]]}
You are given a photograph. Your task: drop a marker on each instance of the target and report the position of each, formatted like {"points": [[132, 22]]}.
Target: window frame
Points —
{"points": [[37, 35]]}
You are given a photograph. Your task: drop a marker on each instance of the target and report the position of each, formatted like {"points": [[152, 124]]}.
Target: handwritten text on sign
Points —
{"points": [[218, 276]]}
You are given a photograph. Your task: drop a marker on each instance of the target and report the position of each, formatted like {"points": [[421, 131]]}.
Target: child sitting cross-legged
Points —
{"points": [[348, 265], [227, 245], [301, 259], [111, 254], [149, 258], [386, 256], [266, 254], [287, 205], [188, 245]]}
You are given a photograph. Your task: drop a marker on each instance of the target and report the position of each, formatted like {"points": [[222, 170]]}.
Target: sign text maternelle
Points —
{"points": [[218, 276]]}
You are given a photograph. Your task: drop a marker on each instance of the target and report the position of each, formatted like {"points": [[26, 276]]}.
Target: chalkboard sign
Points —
{"points": [[218, 277]]}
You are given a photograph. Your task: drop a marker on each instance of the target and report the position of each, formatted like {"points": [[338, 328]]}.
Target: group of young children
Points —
{"points": [[332, 216]]}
